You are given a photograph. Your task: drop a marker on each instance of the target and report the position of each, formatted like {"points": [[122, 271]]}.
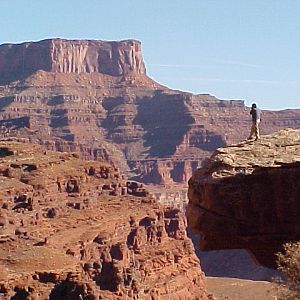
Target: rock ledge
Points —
{"points": [[247, 196]]}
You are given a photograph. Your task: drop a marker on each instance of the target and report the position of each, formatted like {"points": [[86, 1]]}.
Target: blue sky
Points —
{"points": [[232, 49]]}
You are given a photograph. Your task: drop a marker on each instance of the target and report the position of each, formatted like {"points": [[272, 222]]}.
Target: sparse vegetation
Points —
{"points": [[289, 264]]}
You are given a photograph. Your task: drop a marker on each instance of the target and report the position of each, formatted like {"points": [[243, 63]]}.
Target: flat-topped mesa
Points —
{"points": [[71, 56]]}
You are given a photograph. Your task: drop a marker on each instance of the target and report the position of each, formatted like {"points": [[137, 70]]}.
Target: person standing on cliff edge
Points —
{"points": [[255, 113]]}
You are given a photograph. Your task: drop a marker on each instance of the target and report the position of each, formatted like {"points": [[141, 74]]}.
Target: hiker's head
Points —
{"points": [[253, 105]]}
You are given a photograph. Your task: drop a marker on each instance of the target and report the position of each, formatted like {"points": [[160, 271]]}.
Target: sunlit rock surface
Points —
{"points": [[247, 196]]}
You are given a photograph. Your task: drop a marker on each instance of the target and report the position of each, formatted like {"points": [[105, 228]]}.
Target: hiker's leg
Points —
{"points": [[257, 130], [252, 131]]}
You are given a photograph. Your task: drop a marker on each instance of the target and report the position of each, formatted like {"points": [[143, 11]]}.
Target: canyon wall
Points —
{"points": [[69, 101], [74, 229], [246, 196]]}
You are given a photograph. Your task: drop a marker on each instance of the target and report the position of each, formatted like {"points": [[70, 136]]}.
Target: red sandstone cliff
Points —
{"points": [[93, 97], [65, 56], [73, 229], [247, 196]]}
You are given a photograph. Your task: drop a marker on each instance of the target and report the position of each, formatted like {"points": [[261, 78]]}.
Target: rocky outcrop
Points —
{"points": [[247, 196], [163, 172], [74, 229], [94, 98], [67, 56]]}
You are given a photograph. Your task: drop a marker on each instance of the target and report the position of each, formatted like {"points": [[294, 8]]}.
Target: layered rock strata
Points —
{"points": [[65, 56], [93, 97], [73, 229], [247, 196]]}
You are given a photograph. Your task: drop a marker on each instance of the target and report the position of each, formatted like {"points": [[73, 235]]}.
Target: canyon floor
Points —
{"points": [[240, 289]]}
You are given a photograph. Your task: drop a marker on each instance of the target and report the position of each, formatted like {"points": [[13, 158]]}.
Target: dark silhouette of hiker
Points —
{"points": [[255, 113]]}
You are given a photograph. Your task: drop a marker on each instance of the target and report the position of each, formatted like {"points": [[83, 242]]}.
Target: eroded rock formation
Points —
{"points": [[93, 97], [64, 56], [74, 229], [247, 196]]}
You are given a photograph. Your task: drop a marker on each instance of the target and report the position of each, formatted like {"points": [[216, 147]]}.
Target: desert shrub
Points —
{"points": [[289, 264]]}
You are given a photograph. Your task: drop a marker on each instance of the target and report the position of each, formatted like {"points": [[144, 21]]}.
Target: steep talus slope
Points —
{"points": [[94, 97], [74, 229], [247, 196]]}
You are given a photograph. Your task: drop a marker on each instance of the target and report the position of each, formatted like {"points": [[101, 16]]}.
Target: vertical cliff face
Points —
{"points": [[111, 58], [18, 61], [247, 196], [65, 56]]}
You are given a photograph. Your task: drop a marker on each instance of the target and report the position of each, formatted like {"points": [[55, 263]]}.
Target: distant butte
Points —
{"points": [[94, 98]]}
